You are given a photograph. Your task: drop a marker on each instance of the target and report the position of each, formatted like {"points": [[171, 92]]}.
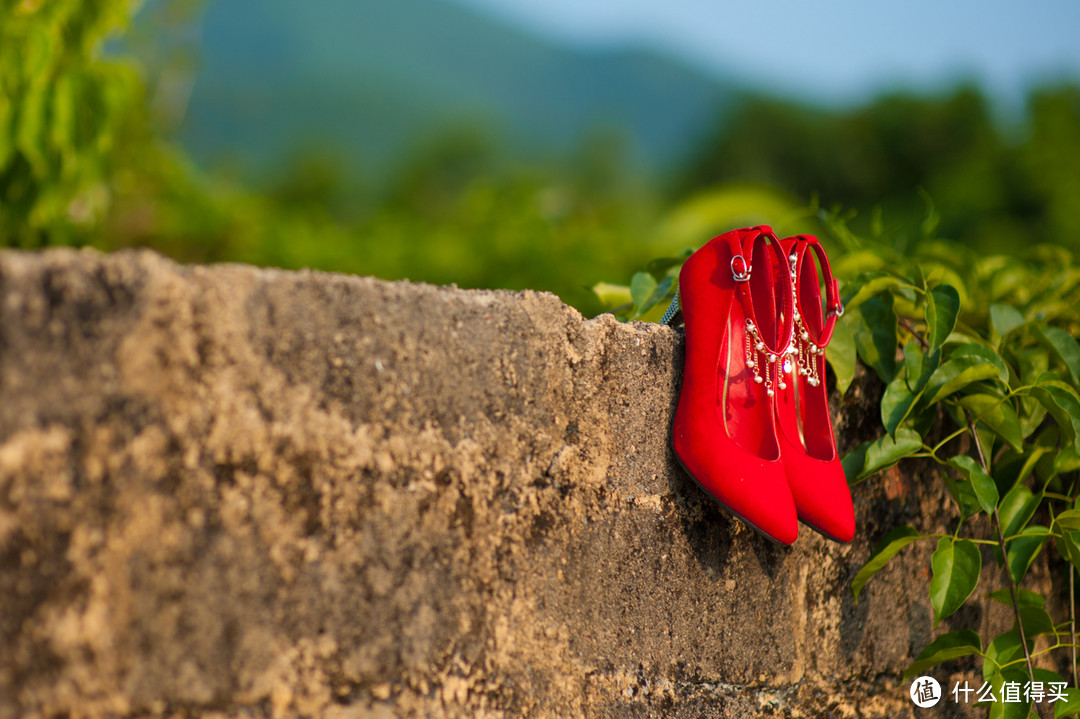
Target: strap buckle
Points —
{"points": [[837, 311], [740, 268]]}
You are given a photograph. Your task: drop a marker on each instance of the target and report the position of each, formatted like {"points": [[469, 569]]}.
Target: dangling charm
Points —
{"points": [[803, 348], [756, 355]]}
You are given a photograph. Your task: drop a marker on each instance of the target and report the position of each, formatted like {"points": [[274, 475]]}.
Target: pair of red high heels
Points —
{"points": [[752, 426]]}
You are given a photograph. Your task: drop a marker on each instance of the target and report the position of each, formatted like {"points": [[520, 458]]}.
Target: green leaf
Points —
{"points": [[997, 414], [981, 482], [1009, 710], [886, 549], [922, 421], [646, 292], [30, 125], [866, 286], [1032, 363], [1025, 598], [1047, 677], [915, 360], [641, 287], [875, 336], [1047, 443], [956, 565], [612, 296], [886, 451], [1069, 707], [932, 219], [1031, 415], [1067, 460], [1068, 521], [1063, 404], [954, 375], [657, 296], [63, 127], [946, 647], [841, 353], [1068, 547], [896, 403], [964, 495], [1003, 320], [1002, 650], [1036, 621], [853, 463], [1064, 349], [903, 392], [1012, 468], [942, 307], [1017, 508], [987, 354], [661, 266], [1021, 552]]}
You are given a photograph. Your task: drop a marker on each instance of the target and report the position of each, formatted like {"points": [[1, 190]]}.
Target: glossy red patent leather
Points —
{"points": [[724, 431], [814, 473]]}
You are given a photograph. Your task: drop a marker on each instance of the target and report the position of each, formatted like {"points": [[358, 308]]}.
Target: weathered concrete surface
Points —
{"points": [[260, 493]]}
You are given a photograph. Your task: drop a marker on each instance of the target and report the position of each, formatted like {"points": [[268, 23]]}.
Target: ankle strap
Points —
{"points": [[743, 244], [833, 307]]}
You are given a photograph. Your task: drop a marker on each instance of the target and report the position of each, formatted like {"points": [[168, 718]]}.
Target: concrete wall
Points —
{"points": [[266, 493]]}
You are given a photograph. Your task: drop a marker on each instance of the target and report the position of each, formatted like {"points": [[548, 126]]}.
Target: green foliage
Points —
{"points": [[987, 389], [82, 162], [63, 113], [886, 549], [989, 370], [952, 645], [1003, 187], [982, 373], [956, 565]]}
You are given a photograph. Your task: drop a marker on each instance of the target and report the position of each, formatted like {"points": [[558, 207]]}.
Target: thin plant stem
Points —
{"points": [[1005, 558], [1072, 622], [1047, 650], [1012, 593], [960, 431], [947, 439], [1022, 534], [903, 322], [944, 536]]}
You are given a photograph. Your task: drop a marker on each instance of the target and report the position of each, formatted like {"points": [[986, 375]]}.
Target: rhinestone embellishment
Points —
{"points": [[763, 363], [804, 351]]}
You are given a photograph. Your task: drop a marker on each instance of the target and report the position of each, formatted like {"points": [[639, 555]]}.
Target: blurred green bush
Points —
{"points": [[63, 110], [1001, 183], [84, 162]]}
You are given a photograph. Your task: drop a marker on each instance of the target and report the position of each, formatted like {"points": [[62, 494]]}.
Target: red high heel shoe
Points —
{"points": [[814, 472], [736, 299]]}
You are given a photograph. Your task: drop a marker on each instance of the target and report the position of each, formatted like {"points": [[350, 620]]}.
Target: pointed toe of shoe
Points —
{"points": [[834, 525], [784, 532], [822, 498], [769, 509], [754, 490]]}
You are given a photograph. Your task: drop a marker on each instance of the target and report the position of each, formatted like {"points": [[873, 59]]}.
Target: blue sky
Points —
{"points": [[831, 50]]}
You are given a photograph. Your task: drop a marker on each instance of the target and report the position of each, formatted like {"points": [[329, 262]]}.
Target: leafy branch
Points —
{"points": [[1007, 379]]}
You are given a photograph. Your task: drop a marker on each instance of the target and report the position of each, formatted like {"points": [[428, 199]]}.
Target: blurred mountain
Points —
{"points": [[367, 79]]}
